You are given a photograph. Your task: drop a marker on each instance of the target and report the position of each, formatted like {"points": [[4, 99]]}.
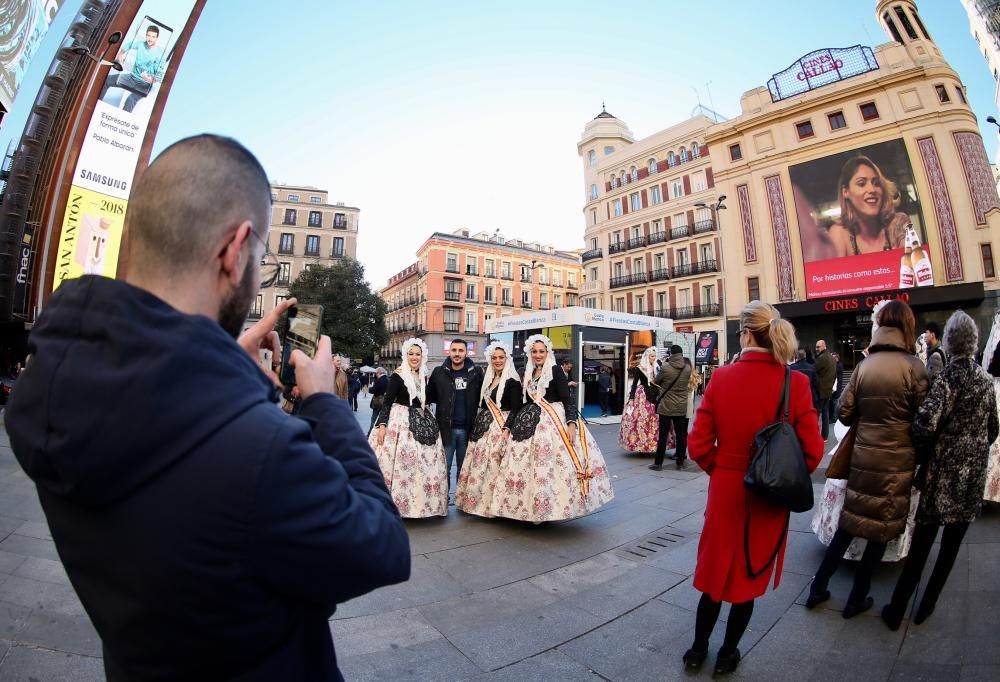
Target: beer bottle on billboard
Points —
{"points": [[906, 276], [921, 262]]}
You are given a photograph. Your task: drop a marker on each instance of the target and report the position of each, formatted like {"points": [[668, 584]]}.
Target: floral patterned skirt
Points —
{"points": [[826, 520], [474, 493], [537, 481], [640, 428], [414, 473], [991, 493]]}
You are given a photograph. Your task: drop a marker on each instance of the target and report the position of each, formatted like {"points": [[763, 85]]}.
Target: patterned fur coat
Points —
{"points": [[961, 404]]}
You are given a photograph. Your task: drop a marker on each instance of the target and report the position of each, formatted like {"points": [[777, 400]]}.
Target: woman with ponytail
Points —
{"points": [[499, 397], [743, 541], [552, 468]]}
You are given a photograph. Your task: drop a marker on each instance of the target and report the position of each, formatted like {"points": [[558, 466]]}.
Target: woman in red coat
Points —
{"points": [[741, 399]]}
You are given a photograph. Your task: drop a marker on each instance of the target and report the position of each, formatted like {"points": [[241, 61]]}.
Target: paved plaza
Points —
{"points": [[606, 597]]}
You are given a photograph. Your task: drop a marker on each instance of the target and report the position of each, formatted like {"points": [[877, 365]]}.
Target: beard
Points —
{"points": [[236, 307]]}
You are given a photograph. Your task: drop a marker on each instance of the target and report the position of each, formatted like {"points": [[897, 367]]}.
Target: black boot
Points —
{"points": [[725, 664], [892, 617]]}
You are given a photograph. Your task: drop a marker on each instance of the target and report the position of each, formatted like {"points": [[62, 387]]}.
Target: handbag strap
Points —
{"points": [[783, 403], [746, 543], [667, 389]]}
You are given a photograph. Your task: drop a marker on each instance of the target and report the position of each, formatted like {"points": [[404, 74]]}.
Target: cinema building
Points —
{"points": [[856, 174]]}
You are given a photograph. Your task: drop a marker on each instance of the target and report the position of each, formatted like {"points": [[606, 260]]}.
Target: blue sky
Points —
{"points": [[440, 115]]}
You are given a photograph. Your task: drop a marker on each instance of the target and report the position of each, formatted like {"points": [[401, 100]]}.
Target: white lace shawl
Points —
{"points": [[992, 341], [648, 364], [508, 371], [550, 361], [406, 374]]}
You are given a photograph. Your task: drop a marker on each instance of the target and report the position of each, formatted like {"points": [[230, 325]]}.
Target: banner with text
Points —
{"points": [[860, 222], [102, 181]]}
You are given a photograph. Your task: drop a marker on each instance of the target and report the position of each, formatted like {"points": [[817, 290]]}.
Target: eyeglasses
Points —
{"points": [[269, 265]]}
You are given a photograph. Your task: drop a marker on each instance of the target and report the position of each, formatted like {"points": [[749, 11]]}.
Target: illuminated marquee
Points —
{"points": [[820, 68]]}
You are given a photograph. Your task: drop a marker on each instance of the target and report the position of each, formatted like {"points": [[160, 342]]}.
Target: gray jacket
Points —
{"points": [[675, 402], [935, 361]]}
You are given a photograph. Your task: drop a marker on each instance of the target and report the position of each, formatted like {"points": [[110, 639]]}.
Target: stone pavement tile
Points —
{"points": [[484, 609], [642, 645], [985, 529], [972, 673], [9, 561], [12, 619], [941, 638], [480, 567], [545, 667], [34, 529], [29, 664], [691, 523], [508, 640], [428, 583], [71, 634], [22, 544], [984, 624], [381, 632], [680, 559], [436, 661], [607, 585], [8, 525], [43, 570], [803, 553], [801, 522], [983, 565], [924, 672], [455, 530], [46, 596], [676, 500], [22, 505]]}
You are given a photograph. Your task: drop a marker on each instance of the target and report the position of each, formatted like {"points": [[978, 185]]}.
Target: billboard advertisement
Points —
{"points": [[707, 350], [860, 222], [94, 219], [23, 24]]}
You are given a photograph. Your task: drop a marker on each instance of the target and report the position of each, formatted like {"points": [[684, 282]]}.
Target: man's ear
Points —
{"points": [[233, 257]]}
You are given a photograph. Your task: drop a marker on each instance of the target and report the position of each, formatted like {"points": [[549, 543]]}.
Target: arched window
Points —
{"points": [[634, 173], [652, 166], [622, 179], [671, 159], [593, 191], [683, 155], [614, 181], [695, 150]]}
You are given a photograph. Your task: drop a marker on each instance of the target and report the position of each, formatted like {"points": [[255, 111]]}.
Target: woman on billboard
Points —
{"points": [[869, 221]]}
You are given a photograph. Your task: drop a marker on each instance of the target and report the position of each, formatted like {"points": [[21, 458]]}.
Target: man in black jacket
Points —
{"points": [[208, 535], [802, 365], [454, 388]]}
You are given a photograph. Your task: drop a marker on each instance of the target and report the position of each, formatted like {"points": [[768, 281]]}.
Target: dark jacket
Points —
{"points": [[378, 388], [441, 392], [395, 394], [638, 379], [839, 386], [956, 425], [810, 372], [675, 402], [826, 373], [557, 392], [883, 396], [511, 396], [209, 535]]}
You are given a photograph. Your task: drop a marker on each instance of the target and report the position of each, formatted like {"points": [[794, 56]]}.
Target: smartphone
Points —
{"points": [[304, 322]]}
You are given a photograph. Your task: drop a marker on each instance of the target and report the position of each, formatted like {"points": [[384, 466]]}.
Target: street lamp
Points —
{"points": [[715, 208], [84, 51]]}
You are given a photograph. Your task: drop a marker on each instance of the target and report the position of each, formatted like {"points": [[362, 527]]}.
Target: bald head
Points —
{"points": [[193, 194]]}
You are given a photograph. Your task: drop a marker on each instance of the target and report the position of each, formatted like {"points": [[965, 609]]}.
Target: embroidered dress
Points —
{"points": [[826, 519], [537, 479], [640, 427], [414, 473], [474, 493], [991, 492]]}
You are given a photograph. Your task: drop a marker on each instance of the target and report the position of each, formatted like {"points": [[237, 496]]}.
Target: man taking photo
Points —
{"points": [[208, 535]]}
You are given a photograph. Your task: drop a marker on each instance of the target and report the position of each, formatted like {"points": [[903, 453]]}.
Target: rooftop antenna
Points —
{"points": [[711, 102]]}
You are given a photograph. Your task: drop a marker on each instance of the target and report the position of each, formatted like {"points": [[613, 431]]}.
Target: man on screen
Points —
{"points": [[147, 68]]}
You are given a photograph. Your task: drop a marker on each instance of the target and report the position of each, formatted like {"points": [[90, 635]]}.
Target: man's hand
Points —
{"points": [[315, 374], [262, 334], [146, 77], [380, 435], [572, 432]]}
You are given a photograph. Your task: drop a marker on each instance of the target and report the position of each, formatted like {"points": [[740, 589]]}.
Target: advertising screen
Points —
{"points": [[860, 222], [98, 200], [23, 24]]}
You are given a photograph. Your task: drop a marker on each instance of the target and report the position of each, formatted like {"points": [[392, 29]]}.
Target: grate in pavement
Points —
{"points": [[657, 542]]}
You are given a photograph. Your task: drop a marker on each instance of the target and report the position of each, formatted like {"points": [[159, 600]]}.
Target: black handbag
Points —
{"points": [[777, 473], [423, 426]]}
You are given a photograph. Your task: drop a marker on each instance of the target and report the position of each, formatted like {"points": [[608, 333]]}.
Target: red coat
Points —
{"points": [[739, 401]]}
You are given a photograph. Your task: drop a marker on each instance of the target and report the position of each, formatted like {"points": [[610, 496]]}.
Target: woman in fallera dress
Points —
{"points": [[501, 396], [552, 468], [640, 427], [407, 441]]}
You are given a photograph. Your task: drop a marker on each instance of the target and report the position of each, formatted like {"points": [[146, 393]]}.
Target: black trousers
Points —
{"points": [[604, 397], [680, 425], [862, 576], [920, 549]]}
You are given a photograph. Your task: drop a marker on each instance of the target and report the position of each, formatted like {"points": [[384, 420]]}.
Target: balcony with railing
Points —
{"points": [[507, 304], [571, 286], [472, 299], [617, 247], [680, 232], [472, 270], [451, 326], [659, 275], [452, 296], [526, 305], [628, 280], [688, 312], [698, 268], [657, 237], [507, 276], [593, 286], [636, 242], [527, 279], [703, 226], [451, 268], [592, 254]]}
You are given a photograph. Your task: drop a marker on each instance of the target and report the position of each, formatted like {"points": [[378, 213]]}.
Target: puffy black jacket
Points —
{"points": [[208, 535], [441, 392]]}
